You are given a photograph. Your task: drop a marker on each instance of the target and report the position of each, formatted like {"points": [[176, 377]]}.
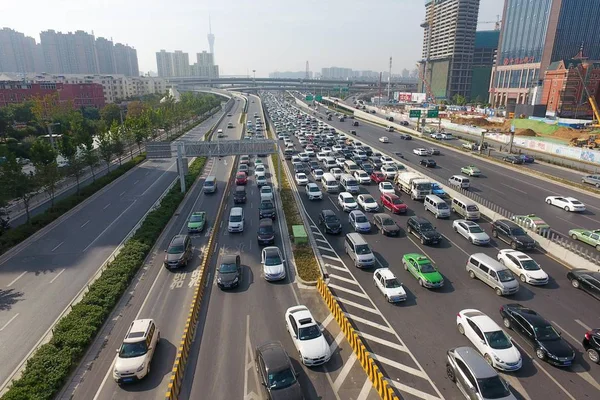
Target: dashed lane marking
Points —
{"points": [[341, 278], [336, 267], [583, 325], [324, 248]]}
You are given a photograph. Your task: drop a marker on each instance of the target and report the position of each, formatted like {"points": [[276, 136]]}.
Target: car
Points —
{"points": [[301, 179], [532, 222], [276, 372], [179, 253], [404, 136], [266, 209], [317, 174], [389, 286], [386, 160], [423, 270], [438, 191], [389, 171], [512, 160], [591, 344], [303, 157], [393, 203], [566, 203], [523, 266], [386, 187], [377, 177], [336, 172], [376, 161], [230, 125], [330, 222], [229, 272], [423, 230], [470, 170], [489, 339], [428, 162], [526, 158], [261, 180], [586, 236], [433, 151], [266, 193], [241, 178], [346, 202], [367, 167], [260, 170], [244, 159], [367, 202], [421, 152], [307, 336], [384, 139], [547, 343], [386, 225], [471, 231], [135, 354], [359, 221], [362, 177], [258, 162], [593, 180], [512, 234], [196, 222], [586, 280], [266, 233], [313, 192]]}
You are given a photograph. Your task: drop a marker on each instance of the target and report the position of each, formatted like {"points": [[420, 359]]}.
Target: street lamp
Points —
{"points": [[254, 76], [50, 132]]}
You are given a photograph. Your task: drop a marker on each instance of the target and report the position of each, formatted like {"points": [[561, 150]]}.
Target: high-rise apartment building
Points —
{"points": [[106, 56], [17, 52], [126, 62], [69, 53], [534, 35], [177, 64], [448, 46], [181, 64], [164, 63]]}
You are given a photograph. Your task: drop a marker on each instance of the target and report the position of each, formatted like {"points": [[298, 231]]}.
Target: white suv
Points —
{"points": [[135, 354], [313, 192], [347, 202]]}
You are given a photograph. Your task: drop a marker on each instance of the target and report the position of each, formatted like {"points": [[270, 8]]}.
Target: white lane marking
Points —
{"points": [[513, 188], [565, 331], [9, 321], [341, 278], [86, 222], [327, 321], [16, 279], [335, 205], [320, 240], [108, 227], [335, 344], [331, 258], [122, 193], [343, 289], [366, 389], [410, 390], [384, 342], [57, 275], [357, 305], [336, 267], [159, 178], [586, 217], [537, 364], [368, 322], [491, 188], [135, 183], [456, 245], [516, 384], [106, 206], [57, 246], [105, 379], [566, 220], [325, 248], [583, 325], [397, 365], [344, 372]]}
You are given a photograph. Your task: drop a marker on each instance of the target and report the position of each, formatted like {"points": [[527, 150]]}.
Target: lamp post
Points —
{"points": [[254, 77], [50, 132]]}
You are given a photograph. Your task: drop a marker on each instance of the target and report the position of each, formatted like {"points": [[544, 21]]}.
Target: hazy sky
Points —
{"points": [[265, 35]]}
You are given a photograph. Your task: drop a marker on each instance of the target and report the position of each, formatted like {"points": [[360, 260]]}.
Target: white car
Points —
{"points": [[272, 262], [336, 172], [367, 202], [301, 178], [313, 192], [303, 157], [447, 136], [384, 139], [327, 150], [386, 187], [336, 148], [260, 170], [309, 153], [135, 354], [340, 162], [266, 193], [346, 202], [386, 160], [389, 171], [389, 285], [421, 152], [471, 231], [362, 177], [523, 266], [261, 180], [307, 336], [566, 203], [489, 339], [296, 159], [322, 155], [317, 174]]}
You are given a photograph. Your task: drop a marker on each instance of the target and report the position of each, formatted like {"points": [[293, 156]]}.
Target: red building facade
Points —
{"points": [[81, 94]]}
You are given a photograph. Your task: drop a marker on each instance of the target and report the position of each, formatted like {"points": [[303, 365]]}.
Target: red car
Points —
{"points": [[377, 177], [241, 178], [393, 203]]}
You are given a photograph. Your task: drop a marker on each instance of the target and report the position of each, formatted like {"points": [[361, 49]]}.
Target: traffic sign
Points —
{"points": [[344, 89], [336, 88], [308, 98], [414, 114], [433, 113], [319, 98]]}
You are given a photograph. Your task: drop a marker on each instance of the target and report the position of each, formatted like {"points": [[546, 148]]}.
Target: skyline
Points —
{"points": [[307, 31]]}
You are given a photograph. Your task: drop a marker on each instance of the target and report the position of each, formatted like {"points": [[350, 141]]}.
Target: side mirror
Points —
{"points": [[165, 250], [117, 351]]}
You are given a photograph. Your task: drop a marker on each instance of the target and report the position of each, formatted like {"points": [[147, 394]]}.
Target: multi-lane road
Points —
{"points": [[410, 340], [39, 279]]}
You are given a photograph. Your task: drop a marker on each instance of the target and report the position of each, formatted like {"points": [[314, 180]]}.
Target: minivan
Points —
{"points": [[437, 206], [359, 251], [466, 208], [492, 273], [460, 181], [350, 166], [236, 220], [329, 162], [349, 183], [210, 184], [330, 184]]}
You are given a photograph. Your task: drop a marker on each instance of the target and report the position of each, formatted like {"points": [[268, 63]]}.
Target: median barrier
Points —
{"points": [[379, 381]]}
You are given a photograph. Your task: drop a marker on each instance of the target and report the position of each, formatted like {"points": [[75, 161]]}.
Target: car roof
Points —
{"points": [[420, 220], [302, 315], [274, 356], [177, 240], [229, 259], [137, 330], [265, 222], [327, 213], [482, 320], [386, 273], [477, 364], [527, 313], [271, 250]]}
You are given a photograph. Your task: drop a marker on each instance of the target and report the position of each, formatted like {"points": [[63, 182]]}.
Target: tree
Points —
{"points": [[43, 156], [69, 149], [106, 147], [91, 113], [117, 133], [141, 130], [88, 155], [6, 119], [459, 100], [111, 113], [135, 109], [19, 185]]}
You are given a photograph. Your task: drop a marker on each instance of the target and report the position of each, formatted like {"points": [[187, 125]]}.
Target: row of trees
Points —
{"points": [[86, 138]]}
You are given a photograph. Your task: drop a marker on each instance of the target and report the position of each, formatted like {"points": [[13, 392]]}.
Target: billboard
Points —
{"points": [[418, 97], [403, 97]]}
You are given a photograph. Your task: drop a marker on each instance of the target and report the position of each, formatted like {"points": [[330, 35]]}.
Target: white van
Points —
{"points": [[437, 206], [349, 183], [466, 208], [350, 166], [461, 181], [330, 184], [329, 162], [359, 251], [493, 274], [236, 220]]}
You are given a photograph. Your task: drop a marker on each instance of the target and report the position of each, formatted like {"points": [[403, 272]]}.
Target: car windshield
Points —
{"points": [[361, 219], [397, 201], [281, 379], [392, 283], [493, 388], [131, 350], [498, 340], [426, 227], [517, 232], [387, 221], [235, 218], [546, 332], [530, 265], [313, 188], [471, 208], [369, 200], [309, 332], [387, 185], [175, 249], [427, 268], [349, 200], [227, 268], [265, 189], [331, 219], [197, 218], [363, 249], [424, 186], [272, 259], [475, 229], [442, 206], [265, 230], [266, 205]]}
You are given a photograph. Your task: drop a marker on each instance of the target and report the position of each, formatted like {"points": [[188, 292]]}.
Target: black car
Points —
{"points": [[239, 194], [229, 271], [367, 167], [428, 162], [266, 233], [591, 344], [314, 165], [354, 123], [179, 252], [539, 333], [276, 373], [512, 160], [586, 280], [376, 161], [405, 136], [424, 230], [512, 234], [403, 123], [368, 150], [386, 225], [266, 209], [330, 222]]}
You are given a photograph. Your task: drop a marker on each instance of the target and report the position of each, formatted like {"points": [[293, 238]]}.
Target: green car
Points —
{"points": [[422, 269], [258, 161], [590, 237], [197, 222], [470, 170], [532, 222]]}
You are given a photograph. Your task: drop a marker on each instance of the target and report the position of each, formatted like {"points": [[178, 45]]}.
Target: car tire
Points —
{"points": [[470, 240], [450, 373], [549, 201], [540, 353], [495, 234], [513, 245], [506, 323], [421, 282], [574, 237], [523, 278], [405, 266], [489, 360], [471, 274], [461, 329], [456, 229], [575, 283], [593, 356], [422, 240], [386, 298], [498, 291], [567, 208]]}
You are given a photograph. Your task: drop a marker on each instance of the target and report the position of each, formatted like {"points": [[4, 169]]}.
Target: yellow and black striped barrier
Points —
{"points": [[379, 381]]}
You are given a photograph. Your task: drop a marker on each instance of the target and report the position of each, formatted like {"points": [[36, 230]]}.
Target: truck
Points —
{"points": [[414, 184]]}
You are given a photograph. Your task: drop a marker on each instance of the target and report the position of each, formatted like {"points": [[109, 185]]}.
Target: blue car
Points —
{"points": [[526, 158], [438, 191]]}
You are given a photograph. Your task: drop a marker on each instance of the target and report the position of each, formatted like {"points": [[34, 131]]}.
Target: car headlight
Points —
{"points": [[116, 372], [236, 280], [497, 358], [141, 367], [550, 355], [219, 280]]}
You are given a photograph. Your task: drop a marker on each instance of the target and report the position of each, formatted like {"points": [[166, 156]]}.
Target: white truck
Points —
{"points": [[414, 184]]}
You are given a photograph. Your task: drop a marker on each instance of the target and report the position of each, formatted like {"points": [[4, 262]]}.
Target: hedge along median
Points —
{"points": [[49, 367]]}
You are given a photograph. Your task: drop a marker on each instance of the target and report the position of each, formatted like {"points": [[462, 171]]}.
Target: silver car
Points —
{"points": [[471, 231], [591, 180], [359, 221]]}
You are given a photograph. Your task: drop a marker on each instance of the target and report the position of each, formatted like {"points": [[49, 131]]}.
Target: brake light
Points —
{"points": [[458, 315], [588, 335], [501, 308]]}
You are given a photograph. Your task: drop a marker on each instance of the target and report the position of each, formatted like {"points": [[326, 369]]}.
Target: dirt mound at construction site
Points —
{"points": [[477, 121], [568, 133], [525, 132]]}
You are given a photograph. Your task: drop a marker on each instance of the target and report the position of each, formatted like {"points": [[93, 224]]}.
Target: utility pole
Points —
{"points": [[389, 79]]}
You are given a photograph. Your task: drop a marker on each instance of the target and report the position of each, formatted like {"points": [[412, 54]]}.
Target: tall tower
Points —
{"points": [[211, 39]]}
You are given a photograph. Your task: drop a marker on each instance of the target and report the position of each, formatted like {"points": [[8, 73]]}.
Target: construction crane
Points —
{"points": [[496, 23], [591, 99]]}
